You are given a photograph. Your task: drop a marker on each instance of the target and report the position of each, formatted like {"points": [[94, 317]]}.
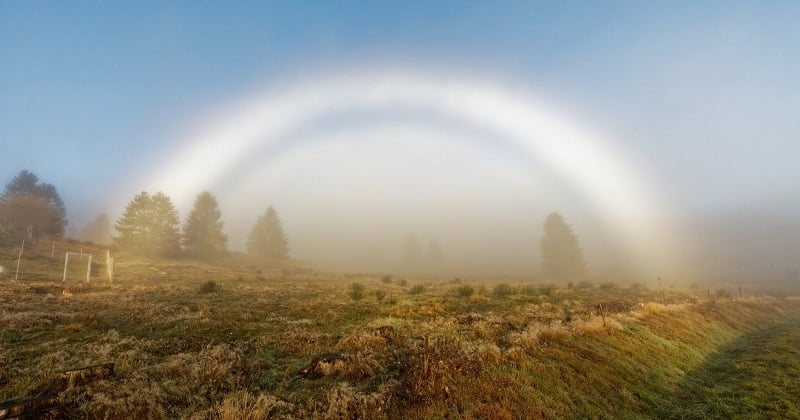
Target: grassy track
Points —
{"points": [[757, 376]]}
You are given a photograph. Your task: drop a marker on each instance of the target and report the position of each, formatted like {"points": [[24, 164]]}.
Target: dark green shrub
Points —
{"points": [[380, 295], [387, 279], [503, 289], [210, 287], [465, 290], [355, 291]]}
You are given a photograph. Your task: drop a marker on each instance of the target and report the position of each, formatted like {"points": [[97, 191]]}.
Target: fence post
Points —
{"points": [[110, 266], [19, 257], [89, 269], [66, 262]]}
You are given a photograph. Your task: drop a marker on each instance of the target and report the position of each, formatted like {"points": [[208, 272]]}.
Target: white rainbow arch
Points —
{"points": [[606, 179]]}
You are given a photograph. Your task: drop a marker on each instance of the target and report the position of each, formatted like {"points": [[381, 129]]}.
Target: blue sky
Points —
{"points": [[705, 93]]}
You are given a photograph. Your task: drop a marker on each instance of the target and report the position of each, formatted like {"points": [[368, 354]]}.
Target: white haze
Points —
{"points": [[354, 163]]}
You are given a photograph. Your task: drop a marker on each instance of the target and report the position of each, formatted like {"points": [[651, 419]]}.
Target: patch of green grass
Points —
{"points": [[757, 374]]}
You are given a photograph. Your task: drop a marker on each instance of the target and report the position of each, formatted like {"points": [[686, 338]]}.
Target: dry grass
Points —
{"points": [[441, 352]]}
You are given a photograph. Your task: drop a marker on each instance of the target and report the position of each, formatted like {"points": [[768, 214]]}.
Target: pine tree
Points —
{"points": [[149, 226], [562, 256], [30, 209], [202, 232], [135, 226], [167, 238], [267, 239]]}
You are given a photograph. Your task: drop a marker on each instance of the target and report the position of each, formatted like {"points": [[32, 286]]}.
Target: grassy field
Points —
{"points": [[233, 340]]}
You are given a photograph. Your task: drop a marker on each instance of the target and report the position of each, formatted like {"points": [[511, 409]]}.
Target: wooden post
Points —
{"points": [[110, 266], [53, 251], [66, 262], [740, 291], [19, 257], [89, 269]]}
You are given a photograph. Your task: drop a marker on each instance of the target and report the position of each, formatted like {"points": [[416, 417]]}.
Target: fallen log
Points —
{"points": [[79, 376], [30, 407]]}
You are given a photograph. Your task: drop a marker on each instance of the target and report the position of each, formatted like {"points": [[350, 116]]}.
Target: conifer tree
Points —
{"points": [[267, 239], [167, 238], [30, 209], [562, 256], [202, 231], [149, 226], [135, 226]]}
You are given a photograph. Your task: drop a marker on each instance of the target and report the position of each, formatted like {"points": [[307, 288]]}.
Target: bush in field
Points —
{"points": [[585, 285], [210, 287], [465, 290], [380, 295], [387, 279], [355, 291], [723, 293], [402, 282], [503, 290], [609, 285], [416, 289]]}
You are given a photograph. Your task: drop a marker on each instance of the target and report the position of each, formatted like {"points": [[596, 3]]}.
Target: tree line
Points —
{"points": [[150, 226]]}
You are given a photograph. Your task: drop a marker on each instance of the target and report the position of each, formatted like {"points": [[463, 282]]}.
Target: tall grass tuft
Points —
{"points": [[355, 291], [210, 287], [416, 289], [465, 290], [503, 290]]}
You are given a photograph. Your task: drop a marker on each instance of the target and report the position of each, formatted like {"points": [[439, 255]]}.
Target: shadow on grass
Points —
{"points": [[756, 376]]}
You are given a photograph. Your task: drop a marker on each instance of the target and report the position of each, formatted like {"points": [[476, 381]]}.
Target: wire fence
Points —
{"points": [[45, 260]]}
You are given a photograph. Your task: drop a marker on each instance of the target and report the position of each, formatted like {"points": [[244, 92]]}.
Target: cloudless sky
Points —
{"points": [[706, 93]]}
